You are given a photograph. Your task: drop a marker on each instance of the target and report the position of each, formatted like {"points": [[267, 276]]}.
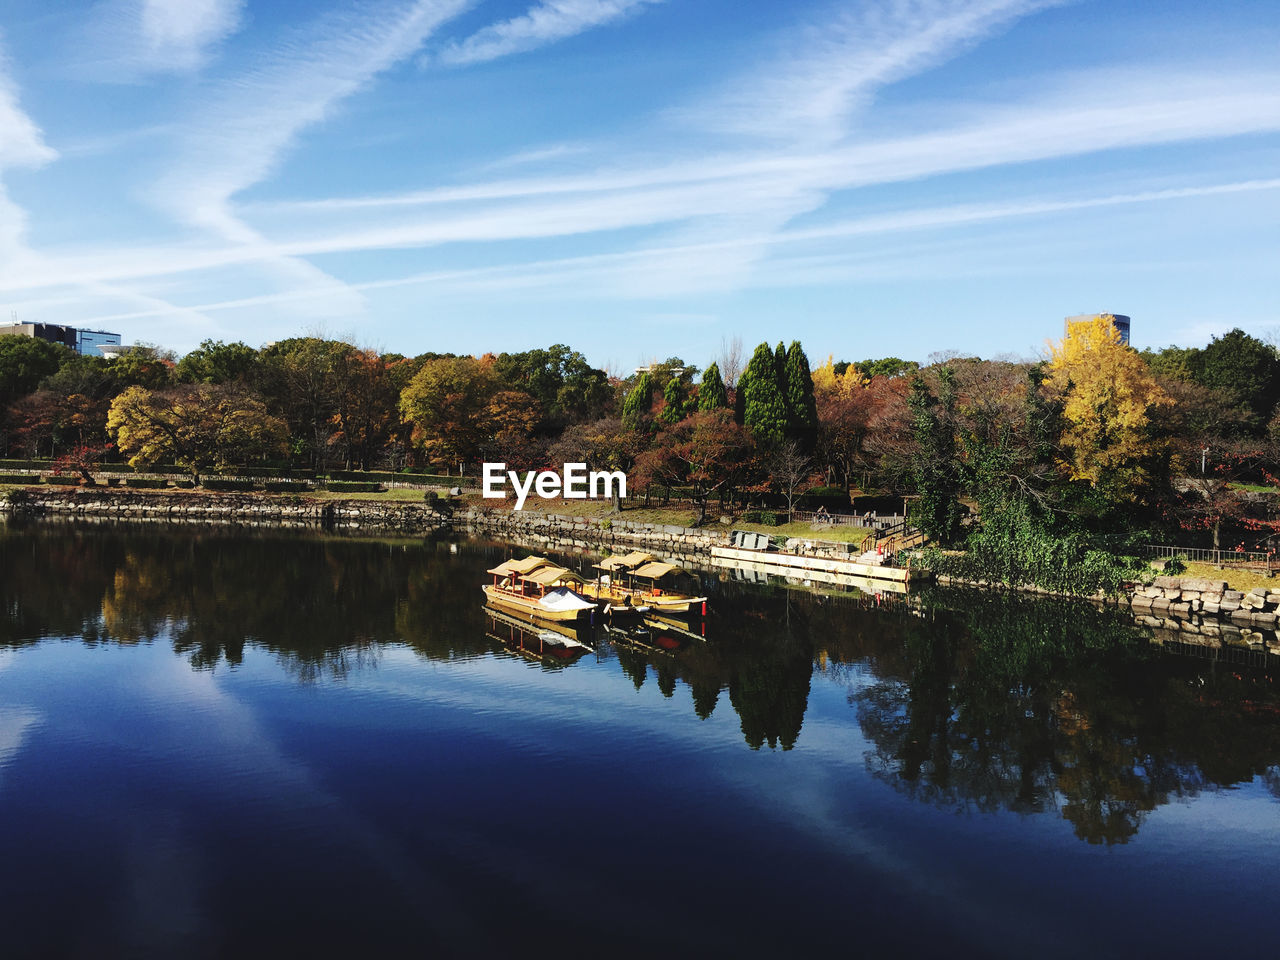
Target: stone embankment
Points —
{"points": [[228, 508], [1205, 612], [554, 532]]}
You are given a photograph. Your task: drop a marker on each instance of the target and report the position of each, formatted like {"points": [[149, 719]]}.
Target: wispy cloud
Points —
{"points": [[21, 145], [549, 21], [132, 39], [831, 68], [178, 33], [251, 122]]}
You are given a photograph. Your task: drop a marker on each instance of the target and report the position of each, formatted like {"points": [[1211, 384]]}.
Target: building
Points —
{"points": [[1118, 320], [87, 342]]}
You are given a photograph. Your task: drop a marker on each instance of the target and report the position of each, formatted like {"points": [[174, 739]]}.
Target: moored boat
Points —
{"points": [[637, 578], [539, 589]]}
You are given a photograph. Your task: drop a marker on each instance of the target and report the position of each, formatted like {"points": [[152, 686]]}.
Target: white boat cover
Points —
{"points": [[562, 599]]}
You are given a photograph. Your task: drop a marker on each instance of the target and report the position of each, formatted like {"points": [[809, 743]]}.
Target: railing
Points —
{"points": [[1203, 555], [834, 519]]}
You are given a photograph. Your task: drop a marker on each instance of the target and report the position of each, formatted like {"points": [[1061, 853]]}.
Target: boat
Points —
{"points": [[538, 589], [556, 642], [636, 577]]}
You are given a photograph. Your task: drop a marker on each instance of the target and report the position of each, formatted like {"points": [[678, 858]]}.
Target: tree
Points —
{"points": [[1109, 397], [707, 451], [887, 367], [802, 411], [673, 402], [1244, 368], [635, 409], [936, 472], [604, 444], [711, 392], [24, 362], [764, 413], [729, 363], [790, 469], [217, 362], [564, 385], [194, 426]]}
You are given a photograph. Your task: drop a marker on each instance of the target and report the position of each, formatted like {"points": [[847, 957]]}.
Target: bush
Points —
{"points": [[146, 483], [185, 484], [765, 518], [19, 478], [286, 486], [351, 486], [62, 481], [228, 486], [384, 476]]}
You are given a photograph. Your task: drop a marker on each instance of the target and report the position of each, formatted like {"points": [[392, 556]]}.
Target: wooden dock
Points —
{"points": [[866, 576]]}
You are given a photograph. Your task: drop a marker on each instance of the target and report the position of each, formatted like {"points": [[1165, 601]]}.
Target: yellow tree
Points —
{"points": [[194, 426], [1109, 398], [827, 381]]}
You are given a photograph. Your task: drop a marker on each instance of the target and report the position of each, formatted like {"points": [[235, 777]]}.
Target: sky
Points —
{"points": [[641, 178]]}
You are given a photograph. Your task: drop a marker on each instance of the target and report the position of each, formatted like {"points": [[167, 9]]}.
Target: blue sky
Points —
{"points": [[641, 178]]}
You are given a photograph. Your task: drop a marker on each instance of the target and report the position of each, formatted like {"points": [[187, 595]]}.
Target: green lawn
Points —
{"points": [[1243, 580]]}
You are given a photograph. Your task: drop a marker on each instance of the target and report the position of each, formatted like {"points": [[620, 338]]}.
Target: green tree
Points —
{"points": [[217, 362], [24, 362], [635, 408], [1244, 368], [937, 469], [887, 367], [711, 392], [566, 387], [764, 408], [674, 404], [802, 409]]}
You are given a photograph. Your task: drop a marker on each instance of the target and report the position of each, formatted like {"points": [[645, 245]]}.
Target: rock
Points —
{"points": [[1232, 595]]}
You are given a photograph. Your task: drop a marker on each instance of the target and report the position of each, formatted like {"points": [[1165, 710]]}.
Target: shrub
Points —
{"points": [[146, 483], [19, 478], [351, 486], [184, 484], [62, 481], [228, 486], [287, 486]]}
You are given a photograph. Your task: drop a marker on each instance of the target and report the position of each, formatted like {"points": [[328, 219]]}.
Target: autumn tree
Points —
{"points": [[457, 406], [194, 426], [706, 451], [1109, 397], [564, 385], [217, 362]]}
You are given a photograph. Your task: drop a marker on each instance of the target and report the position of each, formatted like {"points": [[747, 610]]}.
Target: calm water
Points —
{"points": [[216, 743]]}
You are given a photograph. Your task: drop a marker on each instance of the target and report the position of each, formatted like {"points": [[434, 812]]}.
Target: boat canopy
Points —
{"points": [[519, 568], [619, 562], [549, 574], [655, 570]]}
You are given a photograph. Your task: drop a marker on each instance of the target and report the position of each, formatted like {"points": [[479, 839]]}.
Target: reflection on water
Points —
{"points": [[976, 701]]}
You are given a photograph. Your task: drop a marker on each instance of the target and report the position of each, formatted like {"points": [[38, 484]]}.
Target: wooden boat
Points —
{"points": [[538, 589], [636, 576], [557, 642]]}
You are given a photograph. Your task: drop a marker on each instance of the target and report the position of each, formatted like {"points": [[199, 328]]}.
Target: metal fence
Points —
{"points": [[1202, 555]]}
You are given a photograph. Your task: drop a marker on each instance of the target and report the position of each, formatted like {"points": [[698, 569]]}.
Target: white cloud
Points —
{"points": [[21, 145], [549, 21], [178, 33]]}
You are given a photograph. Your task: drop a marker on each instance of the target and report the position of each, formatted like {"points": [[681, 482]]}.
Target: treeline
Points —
{"points": [[1095, 442]]}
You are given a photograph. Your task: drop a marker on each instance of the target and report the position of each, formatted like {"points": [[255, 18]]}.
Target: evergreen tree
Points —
{"points": [[764, 409], [711, 392], [936, 468], [802, 409], [674, 408], [638, 401]]}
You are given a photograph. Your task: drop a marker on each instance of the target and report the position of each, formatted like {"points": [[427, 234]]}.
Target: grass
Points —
{"points": [[1243, 580]]}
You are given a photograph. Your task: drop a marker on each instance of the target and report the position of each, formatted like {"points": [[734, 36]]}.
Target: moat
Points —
{"points": [[217, 742]]}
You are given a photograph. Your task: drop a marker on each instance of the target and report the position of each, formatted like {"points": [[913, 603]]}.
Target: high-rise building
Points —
{"points": [[1118, 320], [87, 342]]}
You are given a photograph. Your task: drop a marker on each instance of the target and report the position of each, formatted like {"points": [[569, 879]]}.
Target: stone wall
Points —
{"points": [[1205, 612], [554, 532], [227, 508]]}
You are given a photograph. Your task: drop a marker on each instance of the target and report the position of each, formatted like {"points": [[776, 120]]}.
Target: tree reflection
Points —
{"points": [[1029, 706]]}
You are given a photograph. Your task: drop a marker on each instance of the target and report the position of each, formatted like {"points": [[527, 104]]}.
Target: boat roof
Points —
{"points": [[620, 562], [655, 570], [519, 567], [549, 574]]}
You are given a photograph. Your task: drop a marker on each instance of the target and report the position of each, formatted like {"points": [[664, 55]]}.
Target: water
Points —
{"points": [[215, 743]]}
